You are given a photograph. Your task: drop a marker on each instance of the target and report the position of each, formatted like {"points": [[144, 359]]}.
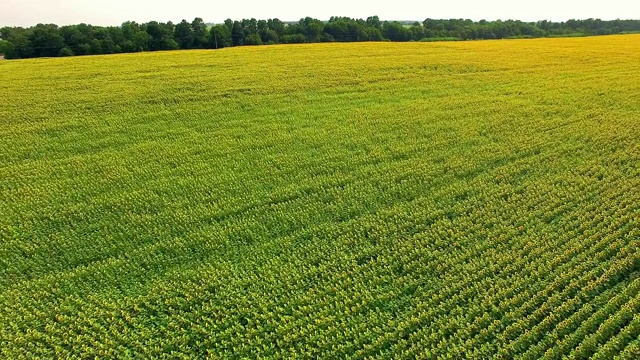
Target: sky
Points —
{"points": [[115, 12]]}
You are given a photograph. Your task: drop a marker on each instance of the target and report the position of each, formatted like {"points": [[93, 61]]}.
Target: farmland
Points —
{"points": [[387, 200]]}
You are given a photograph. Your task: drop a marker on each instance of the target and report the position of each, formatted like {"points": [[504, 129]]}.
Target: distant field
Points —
{"points": [[387, 200]]}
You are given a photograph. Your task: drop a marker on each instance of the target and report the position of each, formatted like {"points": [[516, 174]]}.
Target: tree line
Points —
{"points": [[50, 40]]}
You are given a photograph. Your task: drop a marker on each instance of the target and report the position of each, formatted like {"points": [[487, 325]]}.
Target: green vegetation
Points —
{"points": [[417, 200], [441, 39], [49, 40]]}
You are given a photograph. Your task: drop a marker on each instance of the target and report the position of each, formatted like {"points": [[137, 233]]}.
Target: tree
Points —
{"points": [[266, 35], [46, 40], [102, 42], [276, 25], [76, 37], [220, 37], [326, 38], [395, 31], [161, 36], [171, 45], [5, 47], [229, 24], [416, 32], [262, 26], [65, 51], [183, 35], [253, 39], [135, 38], [200, 33], [337, 29], [311, 28], [293, 39], [237, 34], [249, 26], [270, 37], [109, 46], [95, 47], [358, 30], [374, 21], [5, 32], [83, 39], [20, 47], [116, 35], [142, 41], [374, 34]]}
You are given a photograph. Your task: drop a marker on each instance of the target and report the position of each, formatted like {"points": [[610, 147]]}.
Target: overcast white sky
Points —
{"points": [[114, 12]]}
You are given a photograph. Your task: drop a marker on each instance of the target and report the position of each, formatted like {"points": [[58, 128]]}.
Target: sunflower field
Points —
{"points": [[366, 200]]}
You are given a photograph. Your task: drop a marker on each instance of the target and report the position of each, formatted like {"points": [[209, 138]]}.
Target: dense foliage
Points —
{"points": [[50, 40], [455, 200]]}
